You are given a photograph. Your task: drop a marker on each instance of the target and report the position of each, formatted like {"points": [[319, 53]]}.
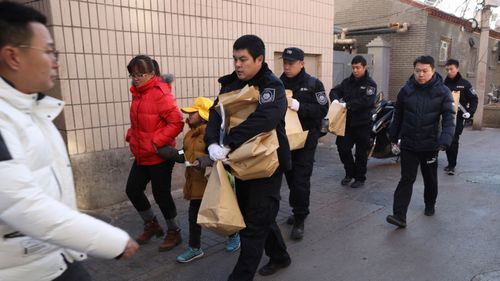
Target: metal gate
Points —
{"points": [[342, 65]]}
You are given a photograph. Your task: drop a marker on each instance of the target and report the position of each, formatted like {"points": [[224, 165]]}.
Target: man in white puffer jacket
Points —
{"points": [[43, 235]]}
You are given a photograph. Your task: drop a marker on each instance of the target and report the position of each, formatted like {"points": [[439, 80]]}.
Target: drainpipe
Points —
{"points": [[391, 28], [390, 25], [345, 41]]}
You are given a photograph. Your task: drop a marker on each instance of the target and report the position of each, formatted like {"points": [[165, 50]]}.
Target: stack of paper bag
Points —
{"points": [[257, 157]]}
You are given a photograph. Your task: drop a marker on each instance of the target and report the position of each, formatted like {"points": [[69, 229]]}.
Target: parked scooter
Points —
{"points": [[380, 144]]}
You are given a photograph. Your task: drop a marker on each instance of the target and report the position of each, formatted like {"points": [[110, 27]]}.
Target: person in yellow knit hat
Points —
{"points": [[197, 160]]}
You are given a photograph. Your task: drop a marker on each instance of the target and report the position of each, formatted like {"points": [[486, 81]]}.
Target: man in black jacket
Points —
{"points": [[358, 92], [468, 104], [311, 104], [258, 199], [422, 102]]}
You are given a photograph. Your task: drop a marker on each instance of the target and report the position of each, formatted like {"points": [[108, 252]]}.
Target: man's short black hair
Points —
{"points": [[14, 23], [424, 60], [358, 59], [253, 44], [452, 62]]}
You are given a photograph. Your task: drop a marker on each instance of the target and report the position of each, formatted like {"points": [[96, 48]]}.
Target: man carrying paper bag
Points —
{"points": [[310, 103], [259, 198], [257, 157], [337, 118], [358, 92], [464, 97]]}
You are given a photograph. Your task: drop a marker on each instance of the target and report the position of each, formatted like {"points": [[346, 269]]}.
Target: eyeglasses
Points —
{"points": [[137, 75], [51, 52]]}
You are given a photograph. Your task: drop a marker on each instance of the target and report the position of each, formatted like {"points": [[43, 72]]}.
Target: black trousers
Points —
{"points": [[194, 228], [452, 151], [160, 176], [259, 203], [359, 136], [75, 271], [299, 178], [410, 161]]}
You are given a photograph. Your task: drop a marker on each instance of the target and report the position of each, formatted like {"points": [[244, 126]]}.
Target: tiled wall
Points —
{"points": [[191, 39]]}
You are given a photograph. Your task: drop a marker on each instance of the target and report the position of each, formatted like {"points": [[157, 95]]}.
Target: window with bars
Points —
{"points": [[444, 50]]}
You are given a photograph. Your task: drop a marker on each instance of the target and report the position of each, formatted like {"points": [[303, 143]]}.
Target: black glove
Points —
{"points": [[204, 162], [170, 153]]}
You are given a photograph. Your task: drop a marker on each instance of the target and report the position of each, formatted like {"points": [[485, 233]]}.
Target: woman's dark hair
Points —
{"points": [[14, 23], [252, 43], [157, 68], [143, 64]]}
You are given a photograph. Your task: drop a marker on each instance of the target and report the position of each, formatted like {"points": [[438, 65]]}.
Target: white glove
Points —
{"points": [[466, 115], [342, 104], [217, 152], [335, 101], [295, 105]]}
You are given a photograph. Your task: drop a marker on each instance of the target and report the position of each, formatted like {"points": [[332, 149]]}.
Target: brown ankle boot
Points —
{"points": [[172, 239], [151, 228]]}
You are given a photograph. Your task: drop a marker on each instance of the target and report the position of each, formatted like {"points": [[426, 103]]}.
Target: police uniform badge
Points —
{"points": [[370, 91], [321, 98], [267, 95]]}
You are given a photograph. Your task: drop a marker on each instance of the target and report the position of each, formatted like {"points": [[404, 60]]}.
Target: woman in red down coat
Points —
{"points": [[155, 122]]}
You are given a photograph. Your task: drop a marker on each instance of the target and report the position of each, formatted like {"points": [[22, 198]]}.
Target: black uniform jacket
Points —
{"points": [[418, 112], [310, 93], [359, 96], [269, 115], [468, 97]]}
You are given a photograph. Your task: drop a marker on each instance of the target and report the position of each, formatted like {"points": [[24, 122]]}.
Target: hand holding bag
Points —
{"points": [[336, 115]]}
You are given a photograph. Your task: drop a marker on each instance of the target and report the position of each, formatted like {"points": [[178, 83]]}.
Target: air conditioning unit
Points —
{"points": [[492, 3]]}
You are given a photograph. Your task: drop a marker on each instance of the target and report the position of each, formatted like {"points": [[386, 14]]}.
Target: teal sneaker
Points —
{"points": [[190, 254], [233, 243]]}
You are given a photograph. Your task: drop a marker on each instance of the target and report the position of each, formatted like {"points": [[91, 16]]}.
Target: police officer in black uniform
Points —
{"points": [[358, 93], [310, 102], [258, 199], [468, 105]]}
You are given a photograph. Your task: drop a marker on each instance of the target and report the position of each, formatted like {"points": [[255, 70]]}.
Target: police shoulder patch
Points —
{"points": [[4, 151], [267, 95], [321, 98], [370, 91]]}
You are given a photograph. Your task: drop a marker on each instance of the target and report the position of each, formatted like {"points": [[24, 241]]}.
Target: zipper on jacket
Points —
{"points": [[137, 157], [57, 180]]}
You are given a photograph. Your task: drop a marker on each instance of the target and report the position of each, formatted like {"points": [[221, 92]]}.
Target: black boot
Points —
{"points": [[297, 229]]}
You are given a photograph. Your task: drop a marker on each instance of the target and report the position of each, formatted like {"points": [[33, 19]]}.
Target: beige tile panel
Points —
{"points": [[113, 137], [192, 40], [96, 133], [105, 138]]}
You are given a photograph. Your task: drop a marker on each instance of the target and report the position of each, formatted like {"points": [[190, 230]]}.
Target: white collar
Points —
{"points": [[46, 107]]}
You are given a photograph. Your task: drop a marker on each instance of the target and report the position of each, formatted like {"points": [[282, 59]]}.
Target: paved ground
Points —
{"points": [[347, 238]]}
